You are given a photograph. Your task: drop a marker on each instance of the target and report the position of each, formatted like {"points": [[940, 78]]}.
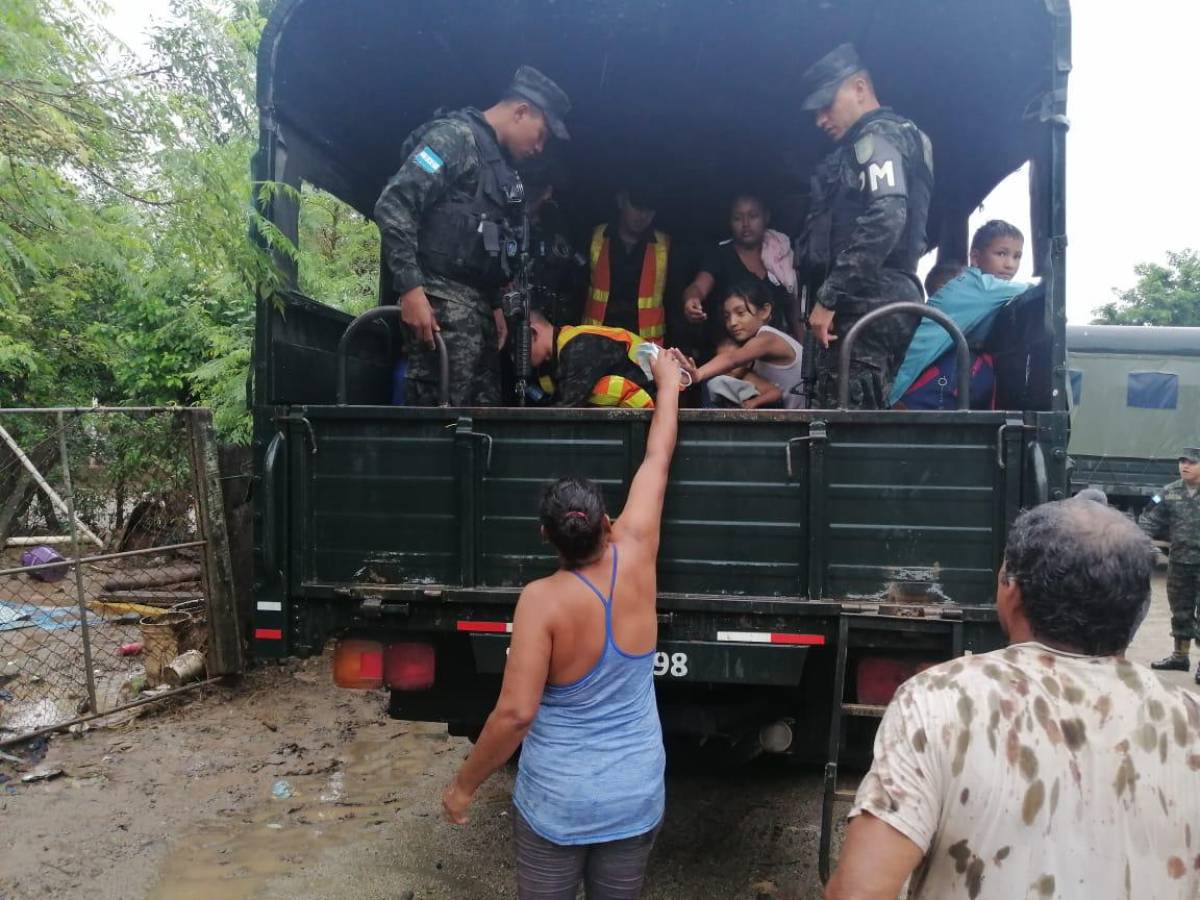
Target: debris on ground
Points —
{"points": [[41, 775]]}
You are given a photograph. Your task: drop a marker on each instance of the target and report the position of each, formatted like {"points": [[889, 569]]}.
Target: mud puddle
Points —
{"points": [[327, 803]]}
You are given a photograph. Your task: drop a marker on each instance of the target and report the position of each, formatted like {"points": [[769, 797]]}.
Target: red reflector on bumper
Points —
{"points": [[486, 627], [268, 634], [771, 637], [809, 640]]}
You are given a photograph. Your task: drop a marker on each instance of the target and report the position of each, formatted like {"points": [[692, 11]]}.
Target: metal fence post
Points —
{"points": [[77, 552]]}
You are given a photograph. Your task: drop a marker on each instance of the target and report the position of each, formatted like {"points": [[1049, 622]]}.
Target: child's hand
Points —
{"points": [[689, 367]]}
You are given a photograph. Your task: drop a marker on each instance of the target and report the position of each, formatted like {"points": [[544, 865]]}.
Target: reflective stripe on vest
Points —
{"points": [[620, 335], [651, 316], [616, 390]]}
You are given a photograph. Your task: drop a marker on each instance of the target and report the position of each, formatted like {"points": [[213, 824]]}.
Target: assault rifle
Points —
{"points": [[517, 303]]}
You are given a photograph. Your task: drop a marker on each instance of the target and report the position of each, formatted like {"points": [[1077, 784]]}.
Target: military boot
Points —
{"points": [[1177, 661]]}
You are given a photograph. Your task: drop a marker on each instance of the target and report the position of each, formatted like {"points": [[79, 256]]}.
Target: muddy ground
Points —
{"points": [[178, 805]]}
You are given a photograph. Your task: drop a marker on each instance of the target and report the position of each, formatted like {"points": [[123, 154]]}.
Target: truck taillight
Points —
{"points": [[358, 664], [879, 677], [409, 666]]}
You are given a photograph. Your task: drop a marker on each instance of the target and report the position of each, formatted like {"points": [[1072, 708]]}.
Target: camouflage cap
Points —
{"points": [[1192, 453], [547, 96], [823, 78]]}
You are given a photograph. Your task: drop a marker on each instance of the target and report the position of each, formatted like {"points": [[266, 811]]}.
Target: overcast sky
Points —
{"points": [[1133, 189]]}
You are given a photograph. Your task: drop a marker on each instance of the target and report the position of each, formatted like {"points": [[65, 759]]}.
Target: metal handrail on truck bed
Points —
{"points": [[962, 353], [373, 315]]}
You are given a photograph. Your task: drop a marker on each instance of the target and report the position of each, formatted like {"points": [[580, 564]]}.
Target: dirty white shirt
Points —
{"points": [[1029, 772]]}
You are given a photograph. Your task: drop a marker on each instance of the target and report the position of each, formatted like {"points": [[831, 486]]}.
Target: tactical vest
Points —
{"points": [[652, 317], [465, 237], [838, 201]]}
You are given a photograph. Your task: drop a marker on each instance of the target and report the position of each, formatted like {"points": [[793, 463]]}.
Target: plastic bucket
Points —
{"points": [[160, 642], [184, 668]]}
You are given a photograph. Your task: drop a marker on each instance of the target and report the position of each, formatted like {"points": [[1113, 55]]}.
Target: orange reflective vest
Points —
{"points": [[652, 317], [611, 390], [616, 390]]}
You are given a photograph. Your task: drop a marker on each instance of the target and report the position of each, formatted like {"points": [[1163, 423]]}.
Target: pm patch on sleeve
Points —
{"points": [[428, 160], [880, 167]]}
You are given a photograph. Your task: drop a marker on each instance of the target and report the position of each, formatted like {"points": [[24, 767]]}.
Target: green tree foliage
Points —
{"points": [[126, 272], [1163, 295], [339, 253], [72, 131]]}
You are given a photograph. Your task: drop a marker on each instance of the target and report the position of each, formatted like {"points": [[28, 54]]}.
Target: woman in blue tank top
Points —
{"points": [[579, 687]]}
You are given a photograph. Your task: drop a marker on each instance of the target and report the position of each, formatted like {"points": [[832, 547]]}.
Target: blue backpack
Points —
{"points": [[937, 386]]}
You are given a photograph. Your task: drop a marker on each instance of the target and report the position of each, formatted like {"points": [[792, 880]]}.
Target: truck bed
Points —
{"points": [[769, 516]]}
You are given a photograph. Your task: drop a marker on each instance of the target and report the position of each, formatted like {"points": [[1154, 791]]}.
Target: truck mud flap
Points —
{"points": [[708, 662]]}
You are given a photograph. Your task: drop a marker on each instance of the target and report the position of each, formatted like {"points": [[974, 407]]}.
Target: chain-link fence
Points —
{"points": [[114, 572]]}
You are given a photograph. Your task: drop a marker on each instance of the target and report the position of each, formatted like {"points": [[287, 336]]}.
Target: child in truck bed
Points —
{"points": [[926, 377], [761, 367]]}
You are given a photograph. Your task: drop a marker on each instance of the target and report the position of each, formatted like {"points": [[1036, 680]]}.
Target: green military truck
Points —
{"points": [[1135, 401], [810, 559]]}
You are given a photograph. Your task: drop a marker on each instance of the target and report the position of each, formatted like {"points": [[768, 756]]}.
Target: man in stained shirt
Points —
{"points": [[1052, 768]]}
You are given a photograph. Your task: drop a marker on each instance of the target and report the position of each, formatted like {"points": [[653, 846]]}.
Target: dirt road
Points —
{"points": [[179, 806]]}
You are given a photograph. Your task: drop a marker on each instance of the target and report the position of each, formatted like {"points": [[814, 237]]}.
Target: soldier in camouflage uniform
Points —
{"points": [[1175, 515], [865, 230], [446, 219]]}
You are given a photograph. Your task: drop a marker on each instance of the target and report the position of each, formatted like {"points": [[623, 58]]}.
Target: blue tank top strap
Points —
{"points": [[612, 584]]}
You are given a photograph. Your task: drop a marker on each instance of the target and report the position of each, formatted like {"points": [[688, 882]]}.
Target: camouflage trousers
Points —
{"points": [[469, 331], [877, 354], [1183, 593]]}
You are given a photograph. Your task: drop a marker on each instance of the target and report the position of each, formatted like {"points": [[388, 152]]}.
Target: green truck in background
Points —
{"points": [[810, 559], [1135, 401]]}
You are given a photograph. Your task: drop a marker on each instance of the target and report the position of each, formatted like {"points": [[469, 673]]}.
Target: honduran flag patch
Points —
{"points": [[428, 160]]}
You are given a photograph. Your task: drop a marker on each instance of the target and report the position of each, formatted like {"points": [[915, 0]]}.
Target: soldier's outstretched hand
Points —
{"points": [[417, 314], [820, 320]]}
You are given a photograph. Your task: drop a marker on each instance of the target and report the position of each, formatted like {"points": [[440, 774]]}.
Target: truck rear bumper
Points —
{"points": [[708, 662]]}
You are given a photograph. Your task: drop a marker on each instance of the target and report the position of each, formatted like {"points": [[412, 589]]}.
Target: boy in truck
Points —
{"points": [[972, 298], [940, 275]]}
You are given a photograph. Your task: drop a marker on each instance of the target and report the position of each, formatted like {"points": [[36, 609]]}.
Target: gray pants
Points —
{"points": [[611, 871]]}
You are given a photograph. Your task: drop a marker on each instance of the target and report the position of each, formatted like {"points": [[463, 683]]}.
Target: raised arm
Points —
{"points": [[642, 515]]}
